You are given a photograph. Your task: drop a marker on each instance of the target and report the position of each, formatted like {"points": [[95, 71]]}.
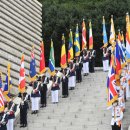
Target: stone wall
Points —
{"points": [[20, 28]]}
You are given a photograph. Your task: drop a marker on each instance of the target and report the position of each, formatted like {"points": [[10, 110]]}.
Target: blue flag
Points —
{"points": [[32, 72]]}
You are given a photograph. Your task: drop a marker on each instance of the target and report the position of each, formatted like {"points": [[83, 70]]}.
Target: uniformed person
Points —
{"points": [[85, 60], [128, 84], [55, 88], [92, 61], [78, 67], [105, 59], [64, 81], [3, 119], [117, 116], [72, 79], [12, 107], [35, 97], [43, 90], [24, 106]]}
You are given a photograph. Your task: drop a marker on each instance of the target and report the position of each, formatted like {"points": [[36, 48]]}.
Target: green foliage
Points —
{"points": [[61, 15]]}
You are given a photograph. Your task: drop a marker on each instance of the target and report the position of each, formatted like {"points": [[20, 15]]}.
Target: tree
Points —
{"points": [[61, 15]]}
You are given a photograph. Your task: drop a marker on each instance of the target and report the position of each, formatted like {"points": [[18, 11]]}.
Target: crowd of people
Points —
{"points": [[68, 77]]}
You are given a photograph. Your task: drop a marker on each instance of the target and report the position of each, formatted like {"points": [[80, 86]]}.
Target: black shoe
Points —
{"points": [[33, 112], [25, 125], [21, 126], [41, 106]]}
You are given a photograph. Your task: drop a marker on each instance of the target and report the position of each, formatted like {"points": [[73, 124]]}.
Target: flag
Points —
{"points": [[0, 80], [84, 42], [76, 42], [22, 76], [127, 37], [52, 60], [112, 32], [32, 72], [8, 85], [1, 101], [121, 50], [42, 59], [63, 63], [123, 43], [90, 36], [70, 47], [112, 93], [105, 41], [117, 61]]}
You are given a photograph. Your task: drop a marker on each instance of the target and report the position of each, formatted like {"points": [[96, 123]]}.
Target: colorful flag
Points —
{"points": [[76, 42], [111, 84], [32, 72], [63, 62], [8, 85], [90, 36], [105, 41], [122, 42], [112, 32], [52, 60], [127, 37], [1, 101], [84, 42], [42, 59], [121, 50], [117, 61], [70, 47], [22, 76]]}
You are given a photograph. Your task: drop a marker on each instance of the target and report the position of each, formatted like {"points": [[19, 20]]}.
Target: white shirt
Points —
{"points": [[117, 115]]}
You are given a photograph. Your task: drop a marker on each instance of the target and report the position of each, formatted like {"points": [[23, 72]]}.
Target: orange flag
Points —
{"points": [[42, 59], [22, 76]]}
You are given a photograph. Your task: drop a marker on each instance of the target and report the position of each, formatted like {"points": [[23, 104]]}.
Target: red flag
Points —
{"points": [[1, 101], [42, 59], [90, 36], [22, 76], [84, 42]]}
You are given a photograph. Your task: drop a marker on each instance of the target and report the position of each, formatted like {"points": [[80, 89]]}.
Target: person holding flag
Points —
{"points": [[105, 51], [55, 79], [92, 52]]}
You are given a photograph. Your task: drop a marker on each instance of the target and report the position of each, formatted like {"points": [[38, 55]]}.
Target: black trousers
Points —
{"points": [[116, 127]]}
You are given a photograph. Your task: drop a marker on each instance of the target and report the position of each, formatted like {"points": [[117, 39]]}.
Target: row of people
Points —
{"points": [[69, 77]]}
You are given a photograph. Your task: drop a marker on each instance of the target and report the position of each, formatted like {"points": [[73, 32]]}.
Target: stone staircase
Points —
{"points": [[20, 28], [85, 109]]}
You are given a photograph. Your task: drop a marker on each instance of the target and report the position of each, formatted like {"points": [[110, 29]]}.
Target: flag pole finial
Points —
{"points": [[127, 13], [119, 30]]}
